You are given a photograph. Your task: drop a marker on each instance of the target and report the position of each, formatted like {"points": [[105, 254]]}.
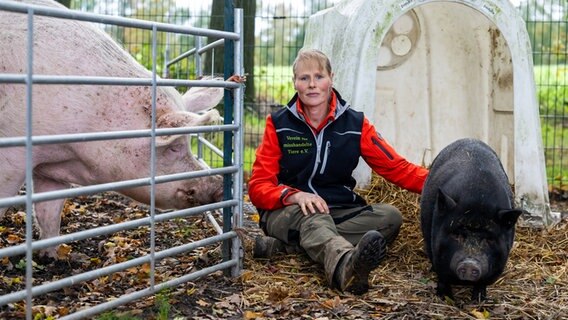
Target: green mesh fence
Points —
{"points": [[279, 28]]}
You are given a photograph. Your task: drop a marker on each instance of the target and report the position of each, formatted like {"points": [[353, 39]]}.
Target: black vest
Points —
{"points": [[321, 164]]}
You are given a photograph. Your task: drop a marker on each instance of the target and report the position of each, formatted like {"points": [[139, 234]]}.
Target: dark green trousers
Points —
{"points": [[327, 237]]}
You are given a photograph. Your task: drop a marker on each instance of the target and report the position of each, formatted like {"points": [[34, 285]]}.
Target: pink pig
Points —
{"points": [[67, 47]]}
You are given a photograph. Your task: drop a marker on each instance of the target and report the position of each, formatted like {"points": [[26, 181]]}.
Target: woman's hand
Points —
{"points": [[309, 203]]}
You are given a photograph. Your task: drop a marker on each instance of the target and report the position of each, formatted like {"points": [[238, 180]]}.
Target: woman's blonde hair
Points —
{"points": [[313, 55]]}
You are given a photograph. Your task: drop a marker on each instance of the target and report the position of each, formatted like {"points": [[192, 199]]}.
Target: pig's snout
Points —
{"points": [[469, 270], [214, 189], [218, 194], [208, 190]]}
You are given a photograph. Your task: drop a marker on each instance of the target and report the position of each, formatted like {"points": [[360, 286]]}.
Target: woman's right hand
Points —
{"points": [[310, 203]]}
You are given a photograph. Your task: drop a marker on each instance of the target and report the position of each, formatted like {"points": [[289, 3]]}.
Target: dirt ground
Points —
{"points": [[533, 285]]}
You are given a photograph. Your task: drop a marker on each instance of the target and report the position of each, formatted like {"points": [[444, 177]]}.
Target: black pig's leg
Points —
{"points": [[444, 290], [479, 293]]}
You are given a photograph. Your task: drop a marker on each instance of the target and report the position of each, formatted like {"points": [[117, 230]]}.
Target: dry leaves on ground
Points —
{"points": [[285, 287]]}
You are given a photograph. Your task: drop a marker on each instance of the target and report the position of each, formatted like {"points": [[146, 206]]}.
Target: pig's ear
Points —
{"points": [[198, 99], [444, 201], [510, 216], [184, 119]]}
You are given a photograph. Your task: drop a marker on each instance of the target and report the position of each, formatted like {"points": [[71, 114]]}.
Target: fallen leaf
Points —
{"points": [[12, 238], [332, 303], [11, 281], [235, 298], [224, 304], [251, 315], [255, 217], [246, 276], [203, 303], [43, 311], [63, 251], [63, 311], [146, 267], [480, 314], [6, 262], [277, 294]]}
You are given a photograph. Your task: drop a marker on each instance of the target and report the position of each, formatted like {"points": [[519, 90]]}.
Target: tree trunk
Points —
{"points": [[216, 22]]}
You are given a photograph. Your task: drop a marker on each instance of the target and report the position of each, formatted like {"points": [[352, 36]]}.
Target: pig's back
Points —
{"points": [[62, 47], [468, 163], [74, 48]]}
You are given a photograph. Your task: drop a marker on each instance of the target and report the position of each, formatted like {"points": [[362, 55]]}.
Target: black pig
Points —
{"points": [[467, 217]]}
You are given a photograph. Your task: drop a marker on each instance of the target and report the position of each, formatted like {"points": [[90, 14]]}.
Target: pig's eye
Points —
{"points": [[174, 152], [175, 148]]}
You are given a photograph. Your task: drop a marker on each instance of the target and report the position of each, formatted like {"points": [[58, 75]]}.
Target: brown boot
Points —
{"points": [[352, 271], [266, 247]]}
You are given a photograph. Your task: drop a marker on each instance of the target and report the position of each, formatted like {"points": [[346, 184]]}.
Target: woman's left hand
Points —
{"points": [[309, 203]]}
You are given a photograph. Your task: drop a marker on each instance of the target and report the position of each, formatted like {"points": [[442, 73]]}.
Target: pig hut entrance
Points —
{"points": [[428, 72], [444, 72]]}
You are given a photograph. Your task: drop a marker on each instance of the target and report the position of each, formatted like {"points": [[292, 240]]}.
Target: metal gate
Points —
{"points": [[231, 171]]}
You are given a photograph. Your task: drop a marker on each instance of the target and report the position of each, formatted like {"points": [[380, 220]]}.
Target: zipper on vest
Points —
{"points": [[325, 156], [318, 138]]}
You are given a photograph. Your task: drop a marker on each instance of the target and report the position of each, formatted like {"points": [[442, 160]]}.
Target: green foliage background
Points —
{"points": [[552, 85], [279, 33]]}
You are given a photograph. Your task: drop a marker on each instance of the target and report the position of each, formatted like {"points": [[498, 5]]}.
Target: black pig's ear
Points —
{"points": [[445, 202], [509, 217]]}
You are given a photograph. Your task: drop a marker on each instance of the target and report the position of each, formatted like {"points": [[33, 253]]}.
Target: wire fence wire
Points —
{"points": [[279, 33], [547, 25]]}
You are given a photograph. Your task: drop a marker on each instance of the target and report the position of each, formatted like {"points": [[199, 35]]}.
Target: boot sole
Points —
{"points": [[372, 252]]}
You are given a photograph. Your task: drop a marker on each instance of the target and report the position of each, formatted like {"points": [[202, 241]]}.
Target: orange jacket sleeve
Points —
{"points": [[385, 161], [264, 190]]}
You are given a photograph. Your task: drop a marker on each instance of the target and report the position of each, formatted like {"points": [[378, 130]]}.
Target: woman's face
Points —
{"points": [[313, 84]]}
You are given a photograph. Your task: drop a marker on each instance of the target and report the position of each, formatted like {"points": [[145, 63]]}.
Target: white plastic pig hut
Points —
{"points": [[428, 72]]}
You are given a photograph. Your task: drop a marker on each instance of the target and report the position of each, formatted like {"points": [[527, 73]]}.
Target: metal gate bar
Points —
{"points": [[28, 141]]}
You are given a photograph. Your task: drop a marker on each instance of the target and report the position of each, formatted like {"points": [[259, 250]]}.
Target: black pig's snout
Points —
{"points": [[469, 270]]}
